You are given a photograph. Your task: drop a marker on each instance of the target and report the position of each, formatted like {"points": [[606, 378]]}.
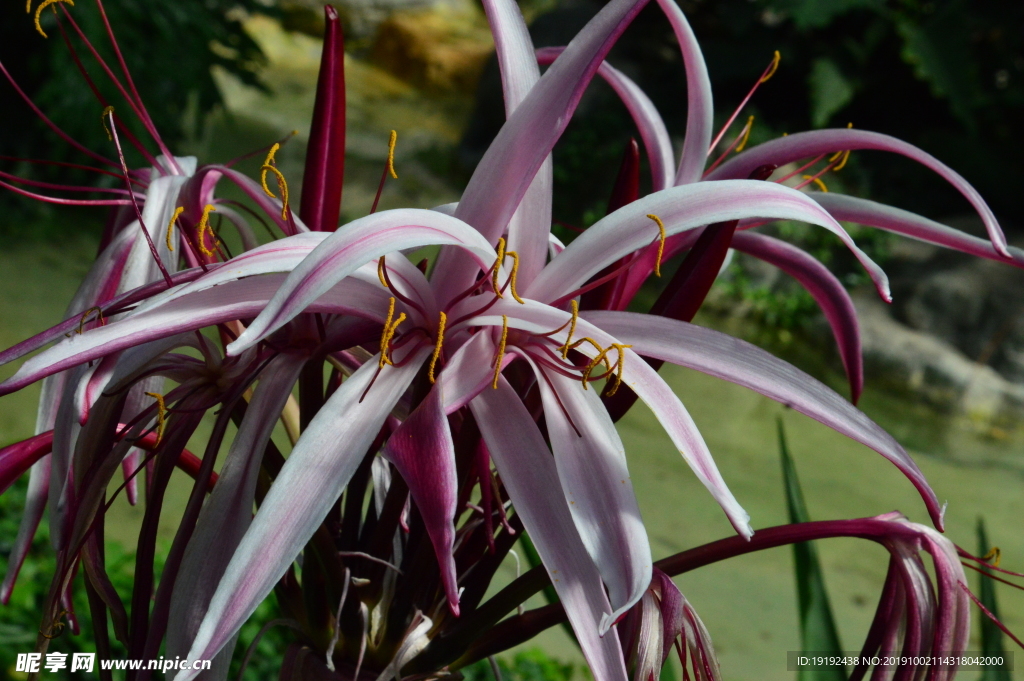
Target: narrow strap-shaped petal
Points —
{"points": [[469, 371], [352, 246], [645, 116], [528, 472], [230, 301], [529, 226], [680, 209], [903, 222], [827, 290], [524, 142], [699, 103], [35, 504], [723, 356], [424, 454], [645, 382], [323, 461], [806, 144], [19, 457], [591, 463], [226, 515]]}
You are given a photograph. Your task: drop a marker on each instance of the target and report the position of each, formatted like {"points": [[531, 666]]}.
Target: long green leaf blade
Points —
{"points": [[818, 632]]}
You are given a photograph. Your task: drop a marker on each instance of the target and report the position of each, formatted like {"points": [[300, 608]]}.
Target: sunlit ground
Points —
{"points": [[748, 603]]}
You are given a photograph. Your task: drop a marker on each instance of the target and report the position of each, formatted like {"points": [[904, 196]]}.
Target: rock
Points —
{"points": [[440, 50]]}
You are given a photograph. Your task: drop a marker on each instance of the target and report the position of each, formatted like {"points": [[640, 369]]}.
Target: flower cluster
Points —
{"points": [[472, 397]]}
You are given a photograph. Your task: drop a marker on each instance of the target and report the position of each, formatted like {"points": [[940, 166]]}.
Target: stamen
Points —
{"points": [[500, 355], [772, 68], [512, 277], [282, 186], [384, 335], [392, 140], [745, 133], [170, 226], [661, 242], [844, 155], [993, 556], [28, 7], [204, 226], [380, 272], [107, 111], [818, 181], [39, 10], [85, 317], [572, 328], [497, 266], [161, 416], [437, 345], [604, 356]]}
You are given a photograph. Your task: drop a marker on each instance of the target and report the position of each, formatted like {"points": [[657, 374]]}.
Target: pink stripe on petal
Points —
{"points": [[684, 208], [827, 291], [595, 480], [323, 461], [645, 116], [424, 454], [528, 472], [807, 144], [723, 356]]}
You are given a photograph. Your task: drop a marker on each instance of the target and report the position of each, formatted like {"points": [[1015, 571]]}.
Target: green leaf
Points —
{"points": [[830, 91], [807, 14], [939, 50], [818, 632], [991, 635]]}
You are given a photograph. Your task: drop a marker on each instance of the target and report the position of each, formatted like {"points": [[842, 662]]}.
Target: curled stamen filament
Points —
{"points": [[572, 328], [204, 226], [39, 11], [85, 317], [161, 416], [619, 365], [170, 226], [389, 331], [437, 345], [500, 355], [817, 181], [661, 243], [108, 111]]}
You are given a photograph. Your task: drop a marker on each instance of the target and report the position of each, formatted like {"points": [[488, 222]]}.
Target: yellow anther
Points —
{"points": [[993, 556], [384, 336], [661, 242], [388, 333], [161, 416], [512, 277], [107, 111], [55, 629], [282, 186], [572, 328], [497, 266], [39, 10], [772, 68], [391, 154], [85, 317], [437, 345], [745, 134], [844, 155], [170, 226], [500, 355], [28, 7], [204, 227], [603, 356], [817, 181], [380, 272], [270, 160]]}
